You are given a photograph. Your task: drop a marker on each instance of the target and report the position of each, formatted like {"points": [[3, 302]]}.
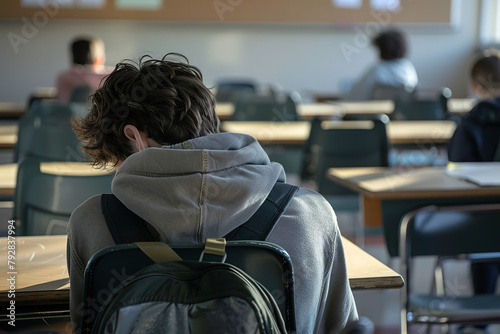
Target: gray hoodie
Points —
{"points": [[206, 187]]}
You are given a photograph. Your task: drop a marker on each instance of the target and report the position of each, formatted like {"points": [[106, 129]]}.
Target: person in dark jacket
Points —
{"points": [[476, 139], [478, 133]]}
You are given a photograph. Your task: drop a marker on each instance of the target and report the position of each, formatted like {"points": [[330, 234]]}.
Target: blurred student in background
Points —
{"points": [[86, 71], [392, 70], [476, 139]]}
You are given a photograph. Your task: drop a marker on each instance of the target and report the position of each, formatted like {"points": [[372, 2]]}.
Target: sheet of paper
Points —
{"points": [[481, 173], [385, 5], [139, 4], [353, 4]]}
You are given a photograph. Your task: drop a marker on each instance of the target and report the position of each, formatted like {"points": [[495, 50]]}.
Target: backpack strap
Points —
{"points": [[261, 224], [126, 227]]}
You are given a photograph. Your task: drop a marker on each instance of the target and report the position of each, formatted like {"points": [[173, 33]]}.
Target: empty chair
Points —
{"points": [[80, 94], [265, 262], [44, 200], [386, 92], [230, 90], [422, 105], [447, 231], [45, 132], [265, 108], [349, 144]]}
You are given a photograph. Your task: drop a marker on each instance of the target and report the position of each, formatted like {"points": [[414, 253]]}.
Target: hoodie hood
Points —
{"points": [[487, 111], [203, 187]]}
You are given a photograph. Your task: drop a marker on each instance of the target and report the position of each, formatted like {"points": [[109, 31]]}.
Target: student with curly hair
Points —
{"points": [[155, 122]]}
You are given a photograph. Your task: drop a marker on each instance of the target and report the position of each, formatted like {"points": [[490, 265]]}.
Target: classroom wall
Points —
{"points": [[298, 57]]}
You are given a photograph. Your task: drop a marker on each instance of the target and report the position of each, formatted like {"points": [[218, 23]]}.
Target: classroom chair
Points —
{"points": [[229, 90], [423, 104], [444, 231], [354, 143], [265, 108], [387, 92], [45, 132], [266, 262], [80, 94], [44, 201]]}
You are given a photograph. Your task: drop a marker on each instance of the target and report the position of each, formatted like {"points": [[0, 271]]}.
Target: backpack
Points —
{"points": [[175, 296]]}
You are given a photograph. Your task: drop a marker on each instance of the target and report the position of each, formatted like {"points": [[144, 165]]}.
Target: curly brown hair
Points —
{"points": [[164, 98]]}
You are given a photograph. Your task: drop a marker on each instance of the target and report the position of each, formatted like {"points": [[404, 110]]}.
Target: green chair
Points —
{"points": [[423, 104], [265, 108], [230, 90], [266, 262], [349, 144], [80, 94], [448, 231], [44, 202], [45, 132], [387, 92]]}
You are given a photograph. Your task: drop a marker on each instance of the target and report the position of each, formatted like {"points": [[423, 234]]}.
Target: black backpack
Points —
{"points": [[175, 296]]}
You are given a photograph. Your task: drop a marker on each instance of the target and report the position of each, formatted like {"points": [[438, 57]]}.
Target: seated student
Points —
{"points": [[476, 139], [87, 69], [392, 70], [155, 122], [478, 133]]}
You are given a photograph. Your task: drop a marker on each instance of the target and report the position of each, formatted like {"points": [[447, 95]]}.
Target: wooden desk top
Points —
{"points": [[341, 108], [277, 133], [407, 183], [12, 110], [8, 135], [420, 132], [461, 106], [8, 173], [307, 110], [41, 273], [296, 133], [366, 272]]}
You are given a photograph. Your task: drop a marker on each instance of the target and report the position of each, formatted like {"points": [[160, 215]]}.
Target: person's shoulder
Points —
{"points": [[485, 111], [308, 203], [87, 229], [90, 210]]}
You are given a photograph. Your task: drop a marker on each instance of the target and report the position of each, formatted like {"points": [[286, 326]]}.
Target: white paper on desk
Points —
{"points": [[481, 173]]}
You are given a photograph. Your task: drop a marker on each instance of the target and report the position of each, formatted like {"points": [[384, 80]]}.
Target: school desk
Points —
{"points": [[8, 173], [296, 133], [42, 283], [11, 110], [343, 108], [8, 135], [387, 194]]}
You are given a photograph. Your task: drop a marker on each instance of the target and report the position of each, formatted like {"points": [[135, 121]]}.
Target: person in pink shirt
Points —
{"points": [[87, 69]]}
